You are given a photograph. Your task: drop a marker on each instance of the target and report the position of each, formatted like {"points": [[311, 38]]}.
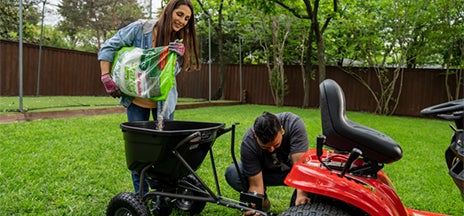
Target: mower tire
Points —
{"points": [[314, 209]]}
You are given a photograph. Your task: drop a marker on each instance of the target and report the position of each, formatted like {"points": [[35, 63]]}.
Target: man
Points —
{"points": [[268, 151]]}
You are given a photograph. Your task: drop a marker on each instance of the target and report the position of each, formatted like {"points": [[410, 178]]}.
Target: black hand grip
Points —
{"points": [[319, 145], [353, 156]]}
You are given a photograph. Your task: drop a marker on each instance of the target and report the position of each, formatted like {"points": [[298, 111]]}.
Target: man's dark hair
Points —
{"points": [[266, 127]]}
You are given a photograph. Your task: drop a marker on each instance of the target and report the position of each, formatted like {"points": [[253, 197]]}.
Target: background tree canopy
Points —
{"points": [[9, 20], [432, 31]]}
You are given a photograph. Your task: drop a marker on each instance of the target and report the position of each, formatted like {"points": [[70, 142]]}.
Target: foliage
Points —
{"points": [[450, 43], [96, 20], [435, 29], [274, 52], [9, 21], [279, 87], [31, 25], [320, 15], [54, 38], [377, 34], [381, 36], [213, 11], [75, 166]]}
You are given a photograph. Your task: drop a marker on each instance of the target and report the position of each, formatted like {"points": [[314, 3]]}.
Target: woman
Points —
{"points": [[175, 22]]}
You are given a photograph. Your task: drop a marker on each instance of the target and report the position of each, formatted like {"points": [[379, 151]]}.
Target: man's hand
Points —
{"points": [[110, 87], [256, 186], [265, 208], [178, 47], [301, 198], [251, 212]]}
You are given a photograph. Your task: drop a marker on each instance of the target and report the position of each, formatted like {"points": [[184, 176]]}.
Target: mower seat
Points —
{"points": [[344, 135]]}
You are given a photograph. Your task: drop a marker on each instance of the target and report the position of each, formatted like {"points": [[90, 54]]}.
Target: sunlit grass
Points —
{"points": [[52, 103]]}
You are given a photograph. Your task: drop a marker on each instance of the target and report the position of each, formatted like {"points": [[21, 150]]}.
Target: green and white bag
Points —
{"points": [[145, 73]]}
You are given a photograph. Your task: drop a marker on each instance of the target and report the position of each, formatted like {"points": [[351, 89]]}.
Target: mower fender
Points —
{"points": [[373, 196]]}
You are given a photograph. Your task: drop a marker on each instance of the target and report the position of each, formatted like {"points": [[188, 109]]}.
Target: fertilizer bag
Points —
{"points": [[144, 73]]}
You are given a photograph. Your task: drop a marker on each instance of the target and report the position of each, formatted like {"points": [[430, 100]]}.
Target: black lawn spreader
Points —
{"points": [[168, 160]]}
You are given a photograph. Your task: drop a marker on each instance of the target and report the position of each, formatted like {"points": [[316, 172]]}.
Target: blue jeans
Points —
{"points": [[136, 113], [269, 179]]}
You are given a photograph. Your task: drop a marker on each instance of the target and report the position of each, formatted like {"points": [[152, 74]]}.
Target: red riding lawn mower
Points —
{"points": [[343, 175]]}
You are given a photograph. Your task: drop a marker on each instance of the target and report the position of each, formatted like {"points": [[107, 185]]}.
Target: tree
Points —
{"points": [[274, 51], [450, 40], [273, 40], [9, 20], [320, 15], [54, 38], [382, 35], [96, 20], [216, 20]]}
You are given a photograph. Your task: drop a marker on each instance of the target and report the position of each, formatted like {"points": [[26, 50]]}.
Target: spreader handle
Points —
{"points": [[187, 139], [222, 131]]}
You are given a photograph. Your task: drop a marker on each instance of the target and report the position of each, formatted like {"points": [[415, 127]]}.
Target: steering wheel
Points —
{"points": [[443, 108]]}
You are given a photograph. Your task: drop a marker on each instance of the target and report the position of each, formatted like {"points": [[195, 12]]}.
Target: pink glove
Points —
{"points": [[178, 47], [110, 87]]}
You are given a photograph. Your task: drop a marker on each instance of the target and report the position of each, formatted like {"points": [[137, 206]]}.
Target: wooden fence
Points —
{"points": [[420, 87], [74, 73], [63, 72]]}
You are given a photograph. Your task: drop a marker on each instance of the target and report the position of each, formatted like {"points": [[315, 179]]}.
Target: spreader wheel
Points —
{"points": [[160, 206], [314, 209], [126, 204], [191, 206]]}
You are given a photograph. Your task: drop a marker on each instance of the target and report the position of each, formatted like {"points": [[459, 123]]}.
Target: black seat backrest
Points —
{"points": [[343, 134]]}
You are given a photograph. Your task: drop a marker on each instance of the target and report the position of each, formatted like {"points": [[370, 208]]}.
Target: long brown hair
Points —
{"points": [[188, 34]]}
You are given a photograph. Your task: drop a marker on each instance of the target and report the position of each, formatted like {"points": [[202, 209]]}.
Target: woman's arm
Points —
{"points": [[105, 67], [125, 37]]}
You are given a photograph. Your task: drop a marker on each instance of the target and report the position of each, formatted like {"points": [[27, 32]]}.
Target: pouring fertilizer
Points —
{"points": [[160, 124], [146, 74]]}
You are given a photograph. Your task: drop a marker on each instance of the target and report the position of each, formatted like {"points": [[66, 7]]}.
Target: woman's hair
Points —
{"points": [[165, 34], [266, 127]]}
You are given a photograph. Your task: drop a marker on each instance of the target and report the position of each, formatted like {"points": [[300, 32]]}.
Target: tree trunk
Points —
{"points": [[220, 91], [219, 94], [306, 71], [320, 51]]}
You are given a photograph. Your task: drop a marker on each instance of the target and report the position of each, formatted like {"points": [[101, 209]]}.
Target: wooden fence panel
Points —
{"points": [[63, 72], [74, 73]]}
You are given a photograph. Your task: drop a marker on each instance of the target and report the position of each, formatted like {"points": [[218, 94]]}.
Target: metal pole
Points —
{"points": [[240, 55], [209, 61], [20, 57], [40, 50], [1, 57], [151, 8]]}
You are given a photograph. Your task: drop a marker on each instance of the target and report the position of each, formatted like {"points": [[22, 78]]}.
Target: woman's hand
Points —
{"points": [[178, 47], [110, 87]]}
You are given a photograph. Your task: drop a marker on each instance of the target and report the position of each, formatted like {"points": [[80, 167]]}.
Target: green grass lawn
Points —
{"points": [[75, 166]]}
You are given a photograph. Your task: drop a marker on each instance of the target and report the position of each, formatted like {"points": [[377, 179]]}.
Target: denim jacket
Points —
{"points": [[138, 34]]}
